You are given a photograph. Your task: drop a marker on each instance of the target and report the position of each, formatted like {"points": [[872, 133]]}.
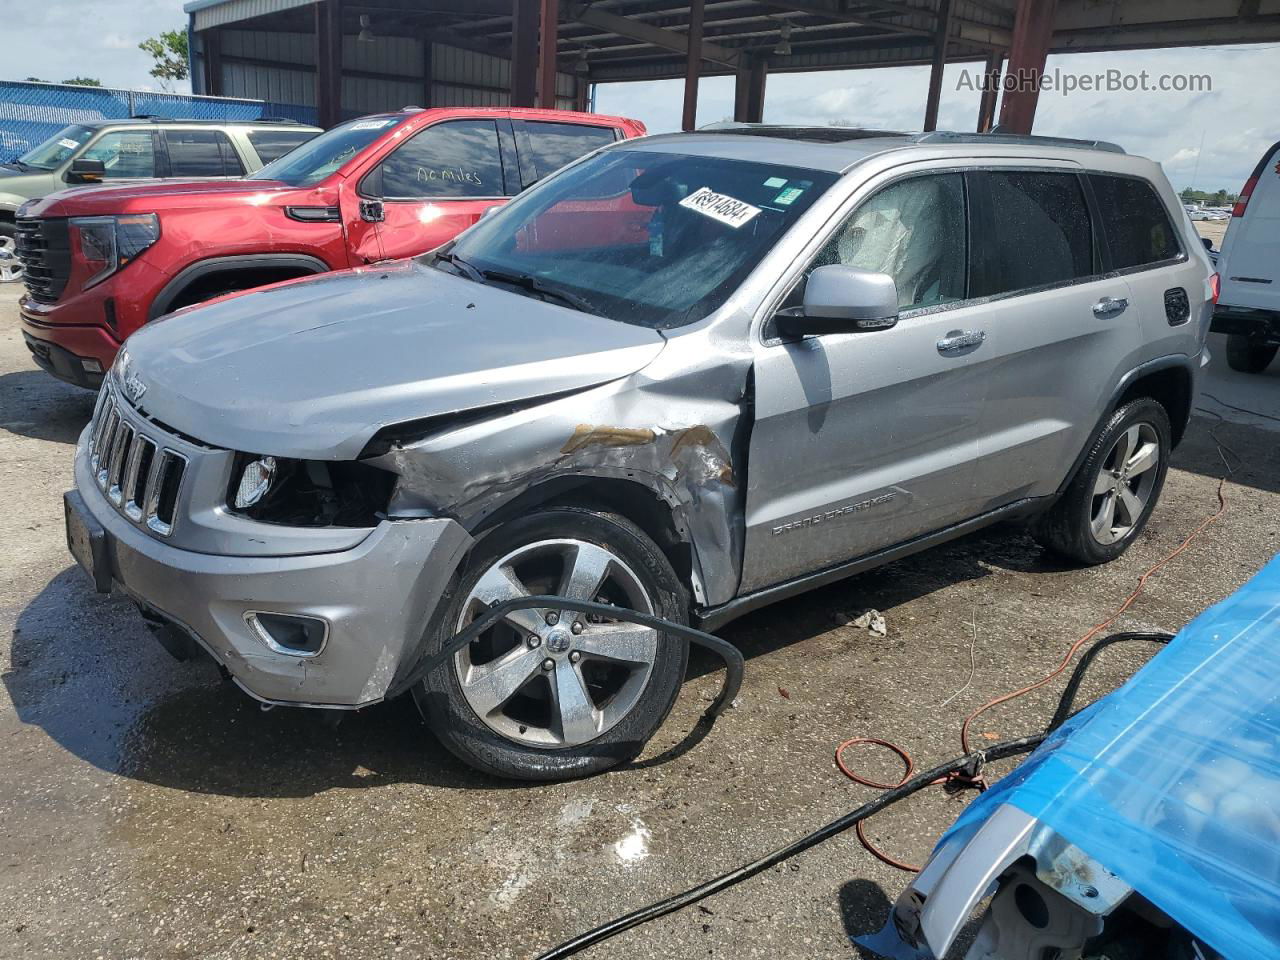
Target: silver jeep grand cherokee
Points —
{"points": [[687, 375]]}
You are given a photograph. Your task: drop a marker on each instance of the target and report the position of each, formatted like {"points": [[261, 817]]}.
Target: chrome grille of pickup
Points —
{"points": [[43, 246], [139, 475]]}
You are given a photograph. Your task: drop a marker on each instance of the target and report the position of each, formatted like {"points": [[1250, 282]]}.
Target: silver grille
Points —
{"points": [[139, 475]]}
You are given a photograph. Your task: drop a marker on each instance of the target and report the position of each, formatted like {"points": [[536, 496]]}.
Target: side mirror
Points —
{"points": [[1208, 244], [840, 299], [85, 170]]}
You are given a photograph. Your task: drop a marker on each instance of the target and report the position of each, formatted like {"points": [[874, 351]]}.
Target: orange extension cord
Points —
{"points": [[978, 782]]}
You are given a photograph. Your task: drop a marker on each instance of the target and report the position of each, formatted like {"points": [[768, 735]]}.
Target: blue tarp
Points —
{"points": [[1173, 782]]}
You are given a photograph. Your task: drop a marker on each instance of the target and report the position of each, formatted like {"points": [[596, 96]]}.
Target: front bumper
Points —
{"points": [[376, 598]]}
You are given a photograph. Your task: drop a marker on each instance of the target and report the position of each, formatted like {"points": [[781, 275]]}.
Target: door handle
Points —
{"points": [[1110, 306], [960, 340]]}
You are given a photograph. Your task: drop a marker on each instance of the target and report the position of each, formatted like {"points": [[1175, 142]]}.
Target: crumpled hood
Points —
{"points": [[314, 368]]}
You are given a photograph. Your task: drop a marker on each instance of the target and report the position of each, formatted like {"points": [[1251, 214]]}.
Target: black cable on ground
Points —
{"points": [[734, 663], [969, 763], [1232, 406], [967, 767], [1068, 698]]}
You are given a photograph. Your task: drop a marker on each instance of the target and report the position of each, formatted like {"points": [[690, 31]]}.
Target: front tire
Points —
{"points": [[1246, 355], [1111, 498], [10, 265], [552, 695]]}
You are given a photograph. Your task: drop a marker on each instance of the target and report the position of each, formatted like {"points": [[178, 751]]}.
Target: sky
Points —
{"points": [[1235, 120]]}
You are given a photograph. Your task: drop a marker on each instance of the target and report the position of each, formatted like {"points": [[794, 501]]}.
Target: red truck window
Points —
{"points": [[458, 158], [552, 145]]}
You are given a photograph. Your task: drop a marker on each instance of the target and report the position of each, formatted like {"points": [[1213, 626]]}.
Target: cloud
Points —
{"points": [[93, 38], [1166, 126]]}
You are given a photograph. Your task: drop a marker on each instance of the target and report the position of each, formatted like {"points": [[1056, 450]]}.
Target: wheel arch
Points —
{"points": [[655, 511], [298, 264], [1170, 381]]}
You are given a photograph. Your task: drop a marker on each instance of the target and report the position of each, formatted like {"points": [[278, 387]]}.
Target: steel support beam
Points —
{"points": [[990, 92], [212, 42], [1032, 33], [939, 65], [748, 94], [547, 36], [656, 36], [692, 66], [329, 62], [524, 52]]}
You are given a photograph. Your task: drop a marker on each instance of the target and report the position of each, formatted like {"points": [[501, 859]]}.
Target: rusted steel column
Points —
{"points": [[547, 38], [524, 52], [939, 65], [1032, 34], [329, 62], [748, 94], [693, 65], [990, 92]]}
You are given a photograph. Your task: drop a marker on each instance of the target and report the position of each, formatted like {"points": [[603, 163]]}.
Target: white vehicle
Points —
{"points": [[1248, 309]]}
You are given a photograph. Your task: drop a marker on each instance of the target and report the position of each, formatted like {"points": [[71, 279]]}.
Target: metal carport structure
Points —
{"points": [[355, 56]]}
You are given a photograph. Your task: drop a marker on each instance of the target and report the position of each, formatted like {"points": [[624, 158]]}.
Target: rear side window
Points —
{"points": [[913, 230], [125, 155], [551, 146], [1040, 232], [201, 153], [457, 158], [1137, 224], [274, 144]]}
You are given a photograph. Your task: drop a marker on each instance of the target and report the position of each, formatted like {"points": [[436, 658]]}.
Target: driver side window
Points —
{"points": [[913, 230], [127, 155]]}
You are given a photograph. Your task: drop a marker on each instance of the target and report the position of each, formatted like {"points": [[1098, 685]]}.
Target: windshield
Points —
{"points": [[654, 239], [54, 151], [316, 159]]}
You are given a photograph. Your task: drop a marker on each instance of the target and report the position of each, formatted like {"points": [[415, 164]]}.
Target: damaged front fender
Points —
{"points": [[680, 433]]}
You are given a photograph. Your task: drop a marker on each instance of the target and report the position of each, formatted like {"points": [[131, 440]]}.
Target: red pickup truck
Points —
{"points": [[101, 261]]}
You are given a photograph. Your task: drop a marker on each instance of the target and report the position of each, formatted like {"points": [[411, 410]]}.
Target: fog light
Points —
{"points": [[91, 366], [255, 481], [291, 635]]}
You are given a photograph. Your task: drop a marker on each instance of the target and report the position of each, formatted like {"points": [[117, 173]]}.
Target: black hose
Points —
{"points": [[970, 762], [734, 663], [1068, 698], [970, 765]]}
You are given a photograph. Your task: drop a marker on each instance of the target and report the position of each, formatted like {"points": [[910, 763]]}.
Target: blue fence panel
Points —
{"points": [[31, 113]]}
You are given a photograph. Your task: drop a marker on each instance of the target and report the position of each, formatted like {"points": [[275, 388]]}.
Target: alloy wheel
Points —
{"points": [[10, 265], [1123, 487], [554, 678]]}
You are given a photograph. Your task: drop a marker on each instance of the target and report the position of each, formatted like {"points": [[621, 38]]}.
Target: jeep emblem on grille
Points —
{"points": [[133, 387]]}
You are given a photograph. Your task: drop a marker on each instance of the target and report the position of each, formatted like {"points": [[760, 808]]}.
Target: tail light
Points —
{"points": [[106, 244], [1243, 200], [1215, 287]]}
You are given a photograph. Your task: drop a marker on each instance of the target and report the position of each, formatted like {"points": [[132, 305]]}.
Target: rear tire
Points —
{"points": [[1247, 355], [1111, 498], [526, 720]]}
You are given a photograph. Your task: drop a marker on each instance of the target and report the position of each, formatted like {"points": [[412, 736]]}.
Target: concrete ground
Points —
{"points": [[150, 810]]}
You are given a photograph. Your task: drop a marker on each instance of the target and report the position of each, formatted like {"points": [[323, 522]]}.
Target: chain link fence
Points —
{"points": [[31, 113]]}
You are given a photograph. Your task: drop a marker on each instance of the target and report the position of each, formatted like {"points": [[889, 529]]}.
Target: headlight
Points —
{"points": [[255, 481], [108, 243]]}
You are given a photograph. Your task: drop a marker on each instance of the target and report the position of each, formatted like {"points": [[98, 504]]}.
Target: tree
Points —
{"points": [[169, 50], [83, 82], [36, 80]]}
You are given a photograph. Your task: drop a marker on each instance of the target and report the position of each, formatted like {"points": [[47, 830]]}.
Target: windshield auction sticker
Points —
{"points": [[719, 206]]}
